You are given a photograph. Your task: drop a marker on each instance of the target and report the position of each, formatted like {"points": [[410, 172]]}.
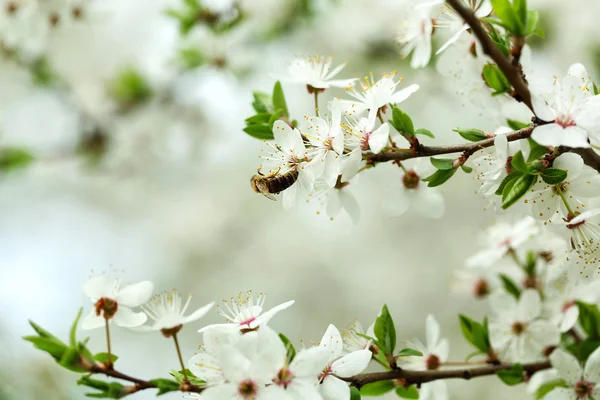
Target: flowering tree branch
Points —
{"points": [[418, 377], [425, 151]]}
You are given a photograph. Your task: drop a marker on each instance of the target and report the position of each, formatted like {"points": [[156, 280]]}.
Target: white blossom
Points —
{"points": [[415, 30], [113, 303], [452, 21], [353, 341], [314, 71], [583, 383]]}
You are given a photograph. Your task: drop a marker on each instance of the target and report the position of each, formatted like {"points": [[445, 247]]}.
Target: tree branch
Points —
{"points": [[425, 151], [419, 377], [512, 72]]}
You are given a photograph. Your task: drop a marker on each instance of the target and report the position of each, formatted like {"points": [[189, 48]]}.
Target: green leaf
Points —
{"points": [[402, 122], [410, 392], [424, 132], [274, 117], [516, 189], [516, 125], [589, 319], [504, 10], [442, 163], [41, 331], [475, 333], [165, 385], [587, 347], [258, 119], [71, 360], [518, 163], [409, 352], [495, 79], [377, 388], [533, 17], [50, 345], [549, 386], [191, 58], [262, 132], [354, 393], [466, 169], [440, 177], [471, 134], [262, 103], [596, 88], [42, 72], [520, 7], [178, 375], [530, 263], [513, 175], [553, 176], [536, 151], [130, 87], [12, 158], [103, 358], [72, 336], [510, 286], [289, 347], [385, 331], [279, 99], [512, 376]]}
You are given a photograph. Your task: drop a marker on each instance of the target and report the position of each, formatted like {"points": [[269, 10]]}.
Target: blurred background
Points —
{"points": [[121, 148]]}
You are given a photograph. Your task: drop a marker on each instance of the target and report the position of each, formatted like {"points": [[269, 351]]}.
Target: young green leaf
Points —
{"points": [[289, 347], [475, 333], [402, 122], [504, 10], [262, 103], [516, 189], [279, 99], [516, 125], [103, 358], [12, 158], [589, 319], [520, 7], [274, 117], [466, 169], [513, 175], [410, 392], [549, 386], [354, 393], [260, 118], [262, 132], [512, 376], [72, 336], [552, 176], [442, 163], [495, 79], [424, 132], [510, 286], [532, 21], [471, 134], [518, 163], [377, 388], [440, 177], [409, 352], [385, 332], [52, 346], [165, 385], [536, 151]]}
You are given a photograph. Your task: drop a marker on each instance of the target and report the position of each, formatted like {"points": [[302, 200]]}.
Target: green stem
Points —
{"points": [[109, 364], [185, 377], [317, 102], [564, 199]]}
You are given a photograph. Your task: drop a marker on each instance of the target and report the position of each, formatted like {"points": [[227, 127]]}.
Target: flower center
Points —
{"points": [[106, 307], [168, 332], [248, 389], [284, 377], [570, 217], [481, 288], [364, 141], [432, 362], [584, 390], [518, 328], [565, 120], [411, 180], [326, 372], [508, 166]]}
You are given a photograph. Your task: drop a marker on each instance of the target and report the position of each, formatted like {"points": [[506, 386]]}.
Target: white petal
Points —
{"points": [[592, 367], [289, 196], [351, 164], [92, 321], [233, 363], [379, 138], [575, 136], [136, 294], [542, 110], [129, 319], [422, 53], [530, 305], [502, 303], [99, 286], [567, 366], [544, 333], [398, 202], [333, 388], [227, 391], [205, 367], [350, 205], [265, 317], [304, 390], [352, 364], [405, 93], [569, 319], [561, 394], [549, 135], [332, 341], [570, 162], [432, 332], [273, 392], [309, 362], [199, 313], [429, 202], [435, 390]]}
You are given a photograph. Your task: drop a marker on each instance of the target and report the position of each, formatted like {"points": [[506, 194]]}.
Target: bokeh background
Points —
{"points": [[139, 165]]}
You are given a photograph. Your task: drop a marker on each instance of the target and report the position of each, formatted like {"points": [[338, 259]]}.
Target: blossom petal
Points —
{"points": [[352, 364], [99, 286], [379, 138], [549, 135], [92, 321], [570, 162], [502, 303], [205, 367], [435, 390], [220, 392], [265, 317], [542, 110], [304, 390], [332, 341], [530, 305], [405, 93], [429, 202], [309, 362], [127, 318], [575, 136], [273, 392], [333, 388], [136, 294], [199, 313], [432, 332], [567, 366], [561, 394], [350, 205], [233, 364], [592, 367], [351, 164]]}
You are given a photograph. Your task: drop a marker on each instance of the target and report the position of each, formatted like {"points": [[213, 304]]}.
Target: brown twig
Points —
{"points": [[418, 377], [425, 151]]}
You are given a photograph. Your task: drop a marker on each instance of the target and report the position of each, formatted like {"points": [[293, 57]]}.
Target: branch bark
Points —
{"points": [[419, 377]]}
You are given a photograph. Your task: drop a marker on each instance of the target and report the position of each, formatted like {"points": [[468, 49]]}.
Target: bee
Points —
{"points": [[268, 185]]}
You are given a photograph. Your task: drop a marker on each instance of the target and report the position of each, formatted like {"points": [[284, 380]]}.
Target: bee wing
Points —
{"points": [[269, 196]]}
